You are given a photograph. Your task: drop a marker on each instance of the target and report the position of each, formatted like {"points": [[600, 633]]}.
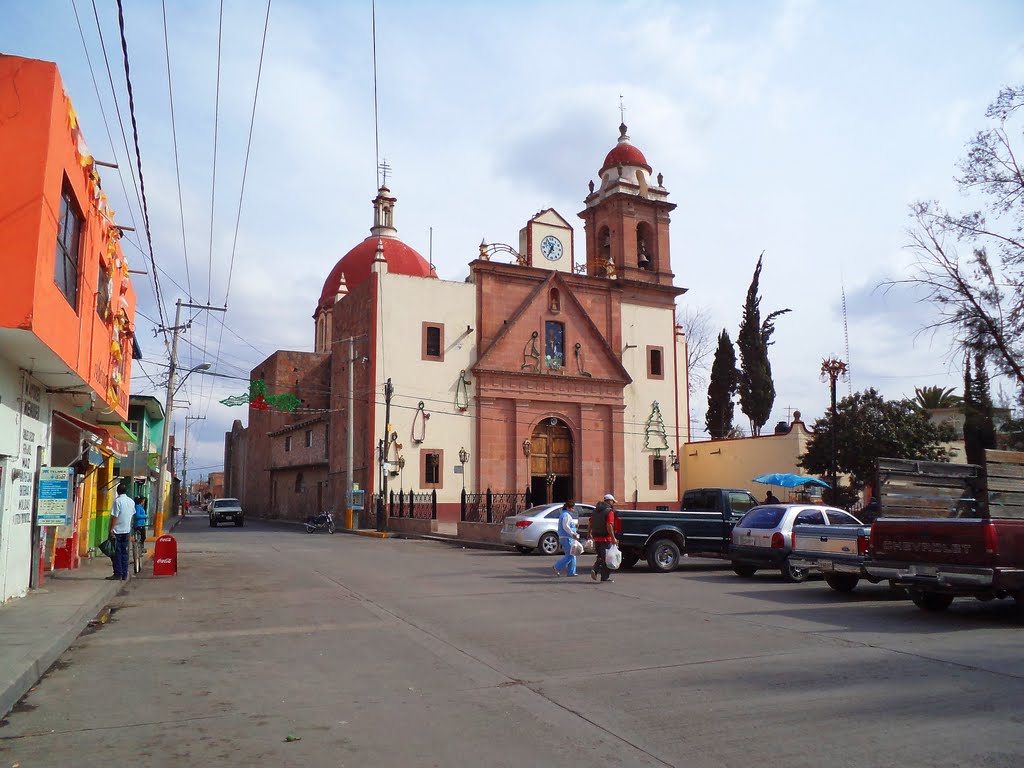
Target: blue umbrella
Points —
{"points": [[789, 481]]}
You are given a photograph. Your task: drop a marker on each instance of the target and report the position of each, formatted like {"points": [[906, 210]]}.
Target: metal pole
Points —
{"points": [[834, 443], [165, 442], [350, 437], [381, 518]]}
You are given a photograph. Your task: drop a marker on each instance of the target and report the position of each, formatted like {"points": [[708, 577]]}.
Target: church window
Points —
{"points": [[655, 362], [433, 342], [643, 246], [309, 438], [431, 468], [659, 480], [554, 344], [288, 444]]}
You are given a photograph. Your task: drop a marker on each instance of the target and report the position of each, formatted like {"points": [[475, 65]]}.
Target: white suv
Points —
{"points": [[224, 510]]}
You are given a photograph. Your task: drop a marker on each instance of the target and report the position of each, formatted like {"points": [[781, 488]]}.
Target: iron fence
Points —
{"points": [[490, 507], [422, 506]]}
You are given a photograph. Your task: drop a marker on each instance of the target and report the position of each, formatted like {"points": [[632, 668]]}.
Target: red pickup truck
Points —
{"points": [[951, 531]]}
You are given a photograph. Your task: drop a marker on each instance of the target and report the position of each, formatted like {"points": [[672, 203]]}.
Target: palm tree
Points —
{"points": [[929, 398]]}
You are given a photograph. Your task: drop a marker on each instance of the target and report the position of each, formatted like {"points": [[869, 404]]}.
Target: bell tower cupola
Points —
{"points": [[626, 218]]}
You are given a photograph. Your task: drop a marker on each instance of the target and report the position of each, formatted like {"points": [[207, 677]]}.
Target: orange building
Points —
{"points": [[67, 309]]}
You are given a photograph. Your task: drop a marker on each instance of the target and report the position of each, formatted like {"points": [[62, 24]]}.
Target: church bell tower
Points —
{"points": [[626, 219]]}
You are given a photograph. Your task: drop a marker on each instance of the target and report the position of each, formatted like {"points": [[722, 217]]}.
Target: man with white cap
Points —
{"points": [[602, 532]]}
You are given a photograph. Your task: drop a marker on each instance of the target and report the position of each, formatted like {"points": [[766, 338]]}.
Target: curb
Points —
{"points": [[54, 647], [464, 543]]}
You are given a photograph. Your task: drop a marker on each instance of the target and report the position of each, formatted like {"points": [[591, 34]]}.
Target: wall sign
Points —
{"points": [[56, 493]]}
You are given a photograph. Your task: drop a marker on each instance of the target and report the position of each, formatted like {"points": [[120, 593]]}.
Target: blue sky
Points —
{"points": [[802, 129]]}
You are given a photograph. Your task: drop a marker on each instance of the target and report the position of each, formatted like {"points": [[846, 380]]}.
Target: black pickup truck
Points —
{"points": [[704, 525]]}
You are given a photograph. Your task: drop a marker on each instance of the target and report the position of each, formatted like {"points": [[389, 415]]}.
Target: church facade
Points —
{"points": [[546, 369]]}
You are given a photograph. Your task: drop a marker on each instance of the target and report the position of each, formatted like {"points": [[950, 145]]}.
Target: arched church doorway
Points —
{"points": [[551, 462]]}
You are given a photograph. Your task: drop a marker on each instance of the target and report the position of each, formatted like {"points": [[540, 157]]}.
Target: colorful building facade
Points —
{"points": [[67, 309]]}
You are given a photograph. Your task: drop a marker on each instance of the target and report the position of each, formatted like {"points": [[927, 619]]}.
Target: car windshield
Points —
{"points": [[226, 503], [762, 517]]}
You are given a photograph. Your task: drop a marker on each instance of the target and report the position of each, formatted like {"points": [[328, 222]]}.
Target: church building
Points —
{"points": [[559, 372]]}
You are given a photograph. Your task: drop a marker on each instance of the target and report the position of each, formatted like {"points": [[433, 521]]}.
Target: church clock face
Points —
{"points": [[551, 248]]}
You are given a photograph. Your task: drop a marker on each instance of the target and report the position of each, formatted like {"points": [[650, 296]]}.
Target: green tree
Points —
{"points": [[756, 388], [721, 388], [979, 425], [980, 296], [929, 398], [868, 428]]}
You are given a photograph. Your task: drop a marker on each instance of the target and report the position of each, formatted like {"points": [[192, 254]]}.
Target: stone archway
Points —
{"points": [[551, 462]]}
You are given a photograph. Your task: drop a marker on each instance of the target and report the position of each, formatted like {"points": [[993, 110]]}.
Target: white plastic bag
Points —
{"points": [[576, 548], [588, 547], [613, 557]]}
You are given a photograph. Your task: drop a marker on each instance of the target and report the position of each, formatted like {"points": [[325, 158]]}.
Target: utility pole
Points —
{"points": [[350, 437], [165, 442], [384, 446]]}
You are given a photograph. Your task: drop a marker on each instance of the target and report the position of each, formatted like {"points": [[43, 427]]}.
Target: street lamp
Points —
{"points": [[463, 458], [189, 372], [833, 369]]}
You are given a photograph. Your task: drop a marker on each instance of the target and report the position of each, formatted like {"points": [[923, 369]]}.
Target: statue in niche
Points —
{"points": [[555, 302]]}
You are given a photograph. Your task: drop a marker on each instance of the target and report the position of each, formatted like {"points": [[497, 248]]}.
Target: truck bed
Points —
{"points": [[829, 547]]}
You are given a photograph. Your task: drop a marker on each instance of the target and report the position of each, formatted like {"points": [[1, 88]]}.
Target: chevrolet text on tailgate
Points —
{"points": [[953, 545]]}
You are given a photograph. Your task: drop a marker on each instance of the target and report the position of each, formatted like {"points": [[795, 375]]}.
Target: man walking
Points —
{"points": [[121, 526], [602, 532]]}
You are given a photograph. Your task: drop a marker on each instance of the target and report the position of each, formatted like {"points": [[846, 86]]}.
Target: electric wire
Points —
{"points": [[174, 137], [138, 155]]}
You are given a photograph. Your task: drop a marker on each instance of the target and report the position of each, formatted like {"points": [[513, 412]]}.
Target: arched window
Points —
{"points": [[644, 243]]}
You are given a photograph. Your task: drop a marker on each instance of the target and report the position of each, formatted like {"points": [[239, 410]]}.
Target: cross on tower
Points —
{"points": [[384, 169], [622, 110]]}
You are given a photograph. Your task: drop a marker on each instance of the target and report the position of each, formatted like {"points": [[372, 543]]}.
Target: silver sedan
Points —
{"points": [[537, 528]]}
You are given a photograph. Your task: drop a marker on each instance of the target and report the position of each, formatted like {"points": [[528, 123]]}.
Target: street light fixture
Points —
{"points": [[189, 372], [463, 458], [833, 369]]}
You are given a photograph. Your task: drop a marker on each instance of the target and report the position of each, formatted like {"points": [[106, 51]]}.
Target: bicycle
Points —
{"points": [[137, 547]]}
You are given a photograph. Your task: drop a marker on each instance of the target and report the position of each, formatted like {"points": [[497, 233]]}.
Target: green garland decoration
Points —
{"points": [[258, 399], [655, 428]]}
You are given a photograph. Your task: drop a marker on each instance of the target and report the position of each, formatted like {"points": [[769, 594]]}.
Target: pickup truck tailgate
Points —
{"points": [[838, 540], [952, 542]]}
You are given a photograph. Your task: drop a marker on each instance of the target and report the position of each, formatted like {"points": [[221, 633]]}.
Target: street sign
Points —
{"points": [[56, 494]]}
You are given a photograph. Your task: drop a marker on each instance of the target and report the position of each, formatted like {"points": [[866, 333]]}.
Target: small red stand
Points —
{"points": [[165, 556]]}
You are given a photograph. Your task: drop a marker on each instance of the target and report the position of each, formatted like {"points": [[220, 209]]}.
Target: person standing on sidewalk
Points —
{"points": [[566, 536], [602, 532], [121, 526], [140, 520]]}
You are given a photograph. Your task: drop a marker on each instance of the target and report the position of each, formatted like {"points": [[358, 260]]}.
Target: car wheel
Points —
{"points": [[548, 544], [524, 550], [842, 582], [239, 523], [629, 559], [213, 522], [1018, 608], [662, 555], [746, 571], [792, 574], [931, 601]]}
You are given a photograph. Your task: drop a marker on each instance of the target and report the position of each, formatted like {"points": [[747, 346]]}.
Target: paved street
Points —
{"points": [[416, 653]]}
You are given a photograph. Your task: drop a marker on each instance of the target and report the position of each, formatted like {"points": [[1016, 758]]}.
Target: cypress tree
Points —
{"points": [[721, 388], [756, 388]]}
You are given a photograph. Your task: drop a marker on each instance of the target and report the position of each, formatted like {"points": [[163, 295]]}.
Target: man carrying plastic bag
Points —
{"points": [[602, 532]]}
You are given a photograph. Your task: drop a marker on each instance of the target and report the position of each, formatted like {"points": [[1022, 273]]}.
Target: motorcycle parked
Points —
{"points": [[324, 520]]}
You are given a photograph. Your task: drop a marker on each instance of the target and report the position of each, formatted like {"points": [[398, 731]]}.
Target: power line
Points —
{"points": [[216, 126], [138, 155], [174, 136]]}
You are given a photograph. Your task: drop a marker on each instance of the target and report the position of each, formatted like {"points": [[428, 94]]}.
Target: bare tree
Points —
{"points": [[700, 343], [979, 297]]}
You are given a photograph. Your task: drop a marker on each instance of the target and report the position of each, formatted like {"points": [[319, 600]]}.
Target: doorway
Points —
{"points": [[551, 462]]}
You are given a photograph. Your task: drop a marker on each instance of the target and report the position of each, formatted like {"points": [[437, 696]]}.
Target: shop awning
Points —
{"points": [[121, 431], [109, 443]]}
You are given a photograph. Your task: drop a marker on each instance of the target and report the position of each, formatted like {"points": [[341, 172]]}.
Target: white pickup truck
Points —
{"points": [[837, 550]]}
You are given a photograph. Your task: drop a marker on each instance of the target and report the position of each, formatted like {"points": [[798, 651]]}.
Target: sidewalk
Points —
{"points": [[36, 629]]}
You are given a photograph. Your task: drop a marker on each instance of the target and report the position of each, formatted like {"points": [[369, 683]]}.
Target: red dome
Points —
{"points": [[356, 265], [625, 153]]}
